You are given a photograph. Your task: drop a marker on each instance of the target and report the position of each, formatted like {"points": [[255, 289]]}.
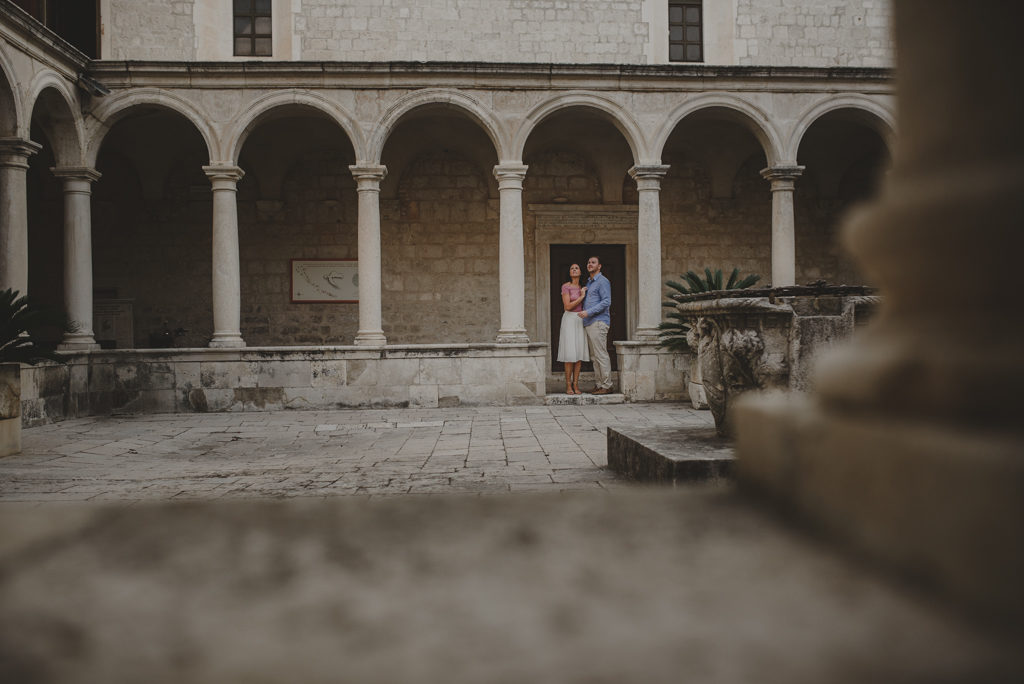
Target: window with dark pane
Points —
{"points": [[253, 36], [685, 33]]}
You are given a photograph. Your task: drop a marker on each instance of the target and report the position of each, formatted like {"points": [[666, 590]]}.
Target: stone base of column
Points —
{"points": [[78, 342], [227, 341], [646, 335], [512, 337], [371, 338], [938, 502]]}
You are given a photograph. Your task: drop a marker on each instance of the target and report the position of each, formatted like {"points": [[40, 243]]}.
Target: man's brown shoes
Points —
{"points": [[602, 390]]}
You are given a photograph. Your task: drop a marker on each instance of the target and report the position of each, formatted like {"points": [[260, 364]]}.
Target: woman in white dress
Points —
{"points": [[572, 342]]}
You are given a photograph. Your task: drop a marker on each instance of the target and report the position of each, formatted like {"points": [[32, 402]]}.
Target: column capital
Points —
{"points": [[648, 176], [223, 172], [16, 151], [79, 173], [368, 176], [782, 175], [510, 175]]}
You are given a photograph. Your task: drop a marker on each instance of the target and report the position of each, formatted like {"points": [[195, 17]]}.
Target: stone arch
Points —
{"points": [[116, 107], [616, 115], [62, 123], [258, 110], [11, 117], [747, 114], [447, 97], [874, 115]]}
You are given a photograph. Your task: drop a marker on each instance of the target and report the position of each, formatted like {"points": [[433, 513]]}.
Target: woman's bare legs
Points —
{"points": [[568, 377], [576, 376]]}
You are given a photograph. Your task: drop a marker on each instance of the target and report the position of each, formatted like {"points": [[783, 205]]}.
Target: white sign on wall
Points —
{"points": [[325, 280]]}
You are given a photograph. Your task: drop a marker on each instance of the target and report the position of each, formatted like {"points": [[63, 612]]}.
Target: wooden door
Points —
{"points": [[613, 266]]}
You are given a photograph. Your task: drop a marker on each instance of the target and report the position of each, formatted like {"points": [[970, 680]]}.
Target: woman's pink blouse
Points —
{"points": [[574, 294]]}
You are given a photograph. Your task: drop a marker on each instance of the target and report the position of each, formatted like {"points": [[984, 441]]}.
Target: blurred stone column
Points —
{"points": [[14, 154], [227, 293], [511, 254], [648, 185], [78, 254], [783, 181], [912, 446], [368, 178]]}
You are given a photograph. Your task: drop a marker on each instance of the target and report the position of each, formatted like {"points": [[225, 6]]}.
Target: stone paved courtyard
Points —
{"points": [[370, 453]]}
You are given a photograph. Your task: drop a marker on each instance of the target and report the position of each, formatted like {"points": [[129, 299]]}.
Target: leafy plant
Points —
{"points": [[672, 332], [23, 324]]}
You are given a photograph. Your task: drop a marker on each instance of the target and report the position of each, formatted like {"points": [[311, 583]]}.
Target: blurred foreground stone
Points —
{"points": [[647, 586]]}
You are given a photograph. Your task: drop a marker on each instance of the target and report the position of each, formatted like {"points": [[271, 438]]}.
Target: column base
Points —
{"points": [[512, 337], [371, 338], [646, 335], [78, 342], [227, 341]]}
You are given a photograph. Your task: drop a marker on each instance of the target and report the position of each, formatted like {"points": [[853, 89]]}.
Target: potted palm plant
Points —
{"points": [[23, 326], [674, 331]]}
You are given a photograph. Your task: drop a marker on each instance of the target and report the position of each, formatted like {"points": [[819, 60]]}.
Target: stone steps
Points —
{"points": [[584, 399], [670, 455]]}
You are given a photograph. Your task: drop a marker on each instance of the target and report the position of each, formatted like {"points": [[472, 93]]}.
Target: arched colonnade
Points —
{"points": [[77, 142]]}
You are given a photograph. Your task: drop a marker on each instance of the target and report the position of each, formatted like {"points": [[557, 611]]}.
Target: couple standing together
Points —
{"points": [[585, 324]]}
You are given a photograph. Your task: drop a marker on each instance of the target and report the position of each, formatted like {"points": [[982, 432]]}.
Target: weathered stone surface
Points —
{"points": [[943, 505], [670, 455], [636, 586], [766, 338]]}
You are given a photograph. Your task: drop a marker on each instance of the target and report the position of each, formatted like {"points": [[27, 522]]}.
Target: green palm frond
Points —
{"points": [[672, 331], [22, 323]]}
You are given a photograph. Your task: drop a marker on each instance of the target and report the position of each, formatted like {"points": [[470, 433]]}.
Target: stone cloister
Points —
{"points": [[189, 188]]}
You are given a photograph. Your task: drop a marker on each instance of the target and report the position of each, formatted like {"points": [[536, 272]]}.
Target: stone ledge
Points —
{"points": [[670, 455], [584, 399], [687, 584]]}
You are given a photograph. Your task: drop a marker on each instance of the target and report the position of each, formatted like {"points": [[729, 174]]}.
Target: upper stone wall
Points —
{"points": [[150, 29], [814, 33], [818, 33], [473, 30]]}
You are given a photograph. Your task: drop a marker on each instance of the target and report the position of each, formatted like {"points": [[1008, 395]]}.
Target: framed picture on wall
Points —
{"points": [[325, 281]]}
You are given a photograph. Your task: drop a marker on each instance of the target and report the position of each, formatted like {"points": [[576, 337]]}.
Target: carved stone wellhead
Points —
{"points": [[766, 338]]}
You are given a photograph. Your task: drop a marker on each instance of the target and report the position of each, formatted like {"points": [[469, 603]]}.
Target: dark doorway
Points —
{"points": [[613, 266]]}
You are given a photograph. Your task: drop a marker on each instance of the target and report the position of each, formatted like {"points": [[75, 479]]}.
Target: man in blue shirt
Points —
{"points": [[596, 321]]}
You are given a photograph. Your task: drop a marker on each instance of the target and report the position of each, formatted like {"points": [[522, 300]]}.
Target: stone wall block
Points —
{"points": [[333, 373], [398, 372], [187, 375], [424, 396], [228, 374], [363, 372], [439, 372], [275, 373]]}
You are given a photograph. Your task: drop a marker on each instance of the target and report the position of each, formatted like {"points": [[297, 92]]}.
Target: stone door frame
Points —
{"points": [[583, 224]]}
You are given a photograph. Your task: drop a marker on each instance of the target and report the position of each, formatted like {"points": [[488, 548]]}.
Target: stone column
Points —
{"points": [[782, 179], [78, 254], [368, 178], [511, 254], [911, 446], [14, 154], [227, 291], [648, 185]]}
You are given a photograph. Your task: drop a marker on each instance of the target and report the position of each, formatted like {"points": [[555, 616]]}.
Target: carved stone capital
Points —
{"points": [[82, 176], [15, 152], [648, 176], [368, 176], [510, 175], [223, 176], [782, 177]]}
